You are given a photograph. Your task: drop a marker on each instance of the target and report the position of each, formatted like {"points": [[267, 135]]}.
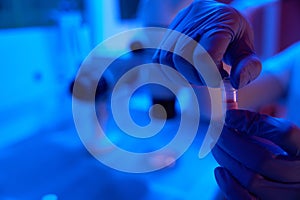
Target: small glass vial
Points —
{"points": [[229, 95]]}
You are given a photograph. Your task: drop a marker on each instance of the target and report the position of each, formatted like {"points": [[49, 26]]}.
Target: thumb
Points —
{"points": [[245, 71], [241, 55]]}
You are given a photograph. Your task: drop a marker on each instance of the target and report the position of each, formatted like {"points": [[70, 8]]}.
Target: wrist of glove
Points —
{"points": [[259, 157]]}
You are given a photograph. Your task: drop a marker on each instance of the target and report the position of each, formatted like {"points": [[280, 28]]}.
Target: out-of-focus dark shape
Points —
{"points": [[83, 90], [32, 13], [128, 9]]}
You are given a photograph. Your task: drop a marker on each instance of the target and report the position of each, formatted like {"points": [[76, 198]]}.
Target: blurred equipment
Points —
{"points": [[128, 9]]}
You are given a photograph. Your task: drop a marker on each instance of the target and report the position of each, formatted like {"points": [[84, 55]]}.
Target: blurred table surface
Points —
{"points": [[56, 162]]}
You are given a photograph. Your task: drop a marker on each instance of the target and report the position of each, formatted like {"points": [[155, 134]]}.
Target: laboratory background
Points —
{"points": [[42, 47]]}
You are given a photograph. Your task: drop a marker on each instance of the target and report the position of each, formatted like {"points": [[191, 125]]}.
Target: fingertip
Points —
{"points": [[218, 172], [221, 177], [230, 187], [246, 71], [224, 181]]}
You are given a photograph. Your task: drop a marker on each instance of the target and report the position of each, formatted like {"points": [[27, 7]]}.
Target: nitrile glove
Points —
{"points": [[259, 157], [222, 31]]}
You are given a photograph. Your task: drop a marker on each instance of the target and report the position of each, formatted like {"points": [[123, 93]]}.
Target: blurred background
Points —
{"points": [[42, 44]]}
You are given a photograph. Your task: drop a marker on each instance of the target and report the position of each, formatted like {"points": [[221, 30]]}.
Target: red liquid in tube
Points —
{"points": [[229, 94]]}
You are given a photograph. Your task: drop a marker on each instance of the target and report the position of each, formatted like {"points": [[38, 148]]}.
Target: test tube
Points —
{"points": [[229, 95]]}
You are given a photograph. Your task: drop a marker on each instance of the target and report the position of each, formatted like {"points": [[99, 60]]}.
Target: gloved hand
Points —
{"points": [[259, 157], [222, 31]]}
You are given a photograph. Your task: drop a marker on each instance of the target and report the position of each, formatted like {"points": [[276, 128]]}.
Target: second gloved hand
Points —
{"points": [[259, 157]]}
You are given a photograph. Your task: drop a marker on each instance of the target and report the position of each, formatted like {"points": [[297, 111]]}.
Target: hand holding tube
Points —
{"points": [[259, 157], [223, 32]]}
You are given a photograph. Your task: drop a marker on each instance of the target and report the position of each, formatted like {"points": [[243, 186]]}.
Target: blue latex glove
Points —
{"points": [[223, 32], [259, 157]]}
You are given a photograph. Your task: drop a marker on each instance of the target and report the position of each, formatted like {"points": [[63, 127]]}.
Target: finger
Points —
{"points": [[201, 63], [279, 131], [188, 70], [230, 186], [255, 183], [183, 60], [237, 168], [260, 155], [164, 54], [216, 45]]}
